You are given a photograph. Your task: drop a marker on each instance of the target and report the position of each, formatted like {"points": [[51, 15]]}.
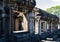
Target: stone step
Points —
{"points": [[47, 41]]}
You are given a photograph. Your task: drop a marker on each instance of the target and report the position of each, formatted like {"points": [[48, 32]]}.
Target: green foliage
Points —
{"points": [[54, 10]]}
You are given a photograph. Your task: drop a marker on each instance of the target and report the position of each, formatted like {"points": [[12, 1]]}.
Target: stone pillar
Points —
{"points": [[45, 26], [31, 23], [51, 27], [7, 24], [36, 27], [40, 27], [0, 28], [58, 26]]}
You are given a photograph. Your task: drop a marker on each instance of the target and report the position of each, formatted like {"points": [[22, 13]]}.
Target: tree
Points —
{"points": [[54, 10]]}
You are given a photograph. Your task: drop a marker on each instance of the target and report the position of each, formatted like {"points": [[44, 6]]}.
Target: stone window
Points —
{"points": [[20, 23], [42, 24]]}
